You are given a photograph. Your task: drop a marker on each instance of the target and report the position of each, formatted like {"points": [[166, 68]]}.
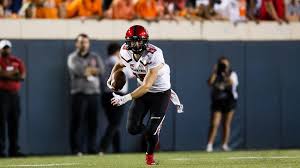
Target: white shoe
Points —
{"points": [[79, 154], [226, 148], [209, 148], [101, 154]]}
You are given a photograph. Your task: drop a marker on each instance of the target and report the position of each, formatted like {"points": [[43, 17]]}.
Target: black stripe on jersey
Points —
{"points": [[126, 60]]}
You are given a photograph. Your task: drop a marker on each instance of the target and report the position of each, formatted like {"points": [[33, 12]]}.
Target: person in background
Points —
{"points": [[28, 9], [15, 6], [223, 82], [202, 9], [5, 11], [253, 7], [233, 10], [83, 8], [166, 9], [106, 4], [114, 114], [48, 9], [147, 10], [293, 10], [273, 10], [12, 73], [121, 9], [85, 68]]}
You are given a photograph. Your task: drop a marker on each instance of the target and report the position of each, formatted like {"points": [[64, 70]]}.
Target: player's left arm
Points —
{"points": [[147, 82]]}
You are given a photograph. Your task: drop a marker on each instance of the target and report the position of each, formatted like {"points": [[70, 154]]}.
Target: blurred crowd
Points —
{"points": [[154, 10]]}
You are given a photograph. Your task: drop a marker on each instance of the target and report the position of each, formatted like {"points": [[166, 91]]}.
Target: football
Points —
{"points": [[118, 80]]}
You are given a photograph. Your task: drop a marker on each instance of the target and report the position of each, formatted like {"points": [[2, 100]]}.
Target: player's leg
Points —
{"points": [[158, 106], [92, 116], [214, 125], [136, 114]]}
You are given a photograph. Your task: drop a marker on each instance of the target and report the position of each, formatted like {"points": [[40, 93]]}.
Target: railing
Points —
{"points": [[162, 30]]}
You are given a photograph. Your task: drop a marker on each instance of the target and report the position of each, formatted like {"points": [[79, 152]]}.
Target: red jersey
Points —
{"points": [[279, 7], [9, 64]]}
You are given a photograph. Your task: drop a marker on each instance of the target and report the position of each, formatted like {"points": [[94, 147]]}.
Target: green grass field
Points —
{"points": [[238, 159]]}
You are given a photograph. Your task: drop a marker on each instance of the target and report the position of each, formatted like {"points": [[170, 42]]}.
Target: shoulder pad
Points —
{"points": [[151, 49], [124, 47]]}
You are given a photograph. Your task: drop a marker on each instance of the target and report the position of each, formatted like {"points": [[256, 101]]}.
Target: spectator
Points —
{"points": [[223, 82], [121, 9], [113, 114], [202, 9], [85, 67], [293, 10], [106, 4], [180, 7], [273, 10], [233, 10], [186, 10], [147, 9], [5, 8], [12, 72], [166, 9], [84, 8], [253, 7], [16, 6], [48, 9], [28, 9]]}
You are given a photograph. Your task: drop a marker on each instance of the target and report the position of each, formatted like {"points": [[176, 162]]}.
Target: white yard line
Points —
{"points": [[236, 158], [181, 159], [41, 165], [257, 157]]}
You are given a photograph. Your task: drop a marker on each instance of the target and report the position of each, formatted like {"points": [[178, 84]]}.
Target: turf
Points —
{"points": [[237, 159]]}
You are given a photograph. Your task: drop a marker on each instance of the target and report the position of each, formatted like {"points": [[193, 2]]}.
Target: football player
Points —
{"points": [[147, 63]]}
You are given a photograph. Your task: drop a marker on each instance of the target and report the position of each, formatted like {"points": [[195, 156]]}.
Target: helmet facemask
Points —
{"points": [[136, 44]]}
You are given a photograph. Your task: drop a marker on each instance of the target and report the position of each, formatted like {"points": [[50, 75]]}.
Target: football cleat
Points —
{"points": [[150, 159]]}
